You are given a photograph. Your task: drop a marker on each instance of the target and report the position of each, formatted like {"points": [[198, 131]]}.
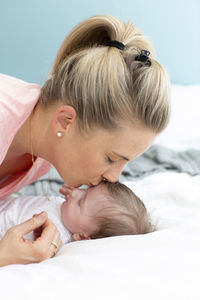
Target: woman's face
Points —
{"points": [[87, 160]]}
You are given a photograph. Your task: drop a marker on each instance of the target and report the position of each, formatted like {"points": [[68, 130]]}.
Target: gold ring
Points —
{"points": [[54, 244], [54, 253]]}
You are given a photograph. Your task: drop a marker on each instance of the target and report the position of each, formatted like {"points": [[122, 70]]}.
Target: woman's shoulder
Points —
{"points": [[17, 100], [8, 78], [13, 84]]}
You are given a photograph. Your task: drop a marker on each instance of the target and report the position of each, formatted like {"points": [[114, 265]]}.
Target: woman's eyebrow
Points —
{"points": [[125, 158]]}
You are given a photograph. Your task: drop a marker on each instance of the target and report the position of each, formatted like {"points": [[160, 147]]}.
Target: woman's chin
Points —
{"points": [[77, 185], [72, 184]]}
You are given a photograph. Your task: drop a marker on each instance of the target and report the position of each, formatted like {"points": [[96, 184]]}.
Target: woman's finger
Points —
{"points": [[31, 224], [15, 249], [49, 231], [55, 244]]}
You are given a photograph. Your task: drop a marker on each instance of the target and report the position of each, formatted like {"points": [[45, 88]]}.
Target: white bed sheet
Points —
{"points": [[163, 265]]}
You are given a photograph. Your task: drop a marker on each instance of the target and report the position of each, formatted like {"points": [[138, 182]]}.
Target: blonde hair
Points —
{"points": [[123, 213], [105, 84]]}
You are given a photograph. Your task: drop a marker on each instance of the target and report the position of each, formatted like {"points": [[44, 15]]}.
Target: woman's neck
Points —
{"points": [[23, 140]]}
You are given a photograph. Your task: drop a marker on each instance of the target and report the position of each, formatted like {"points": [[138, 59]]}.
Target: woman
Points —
{"points": [[105, 101]]}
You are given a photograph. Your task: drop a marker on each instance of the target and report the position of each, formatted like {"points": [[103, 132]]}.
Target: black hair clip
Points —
{"points": [[116, 44], [144, 57]]}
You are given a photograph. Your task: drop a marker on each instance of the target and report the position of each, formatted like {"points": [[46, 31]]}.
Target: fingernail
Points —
{"points": [[42, 215]]}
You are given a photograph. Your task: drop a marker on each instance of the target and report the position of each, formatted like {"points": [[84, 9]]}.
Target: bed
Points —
{"points": [[164, 264]]}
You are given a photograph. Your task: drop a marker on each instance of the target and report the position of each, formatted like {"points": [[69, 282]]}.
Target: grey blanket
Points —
{"points": [[161, 159], [156, 159]]}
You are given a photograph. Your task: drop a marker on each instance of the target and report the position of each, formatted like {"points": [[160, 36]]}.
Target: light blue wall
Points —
{"points": [[32, 30]]}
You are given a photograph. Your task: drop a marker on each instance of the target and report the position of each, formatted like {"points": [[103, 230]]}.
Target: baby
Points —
{"points": [[108, 209]]}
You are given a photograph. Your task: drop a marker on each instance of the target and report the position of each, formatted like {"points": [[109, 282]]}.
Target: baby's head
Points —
{"points": [[108, 209]]}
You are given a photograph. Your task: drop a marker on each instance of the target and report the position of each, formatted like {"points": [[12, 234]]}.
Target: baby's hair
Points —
{"points": [[124, 213], [105, 84]]}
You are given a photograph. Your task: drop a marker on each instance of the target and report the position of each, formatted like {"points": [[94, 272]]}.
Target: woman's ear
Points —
{"points": [[78, 236], [64, 116]]}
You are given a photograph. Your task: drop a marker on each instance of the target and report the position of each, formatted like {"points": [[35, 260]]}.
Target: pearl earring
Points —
{"points": [[59, 134]]}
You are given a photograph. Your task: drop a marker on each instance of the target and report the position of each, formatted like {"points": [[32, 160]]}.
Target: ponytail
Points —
{"points": [[105, 84]]}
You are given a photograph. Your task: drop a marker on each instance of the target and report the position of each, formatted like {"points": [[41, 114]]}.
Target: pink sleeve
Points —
{"points": [[17, 100]]}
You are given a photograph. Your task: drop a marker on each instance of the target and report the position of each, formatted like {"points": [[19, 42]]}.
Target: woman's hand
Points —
{"points": [[15, 249]]}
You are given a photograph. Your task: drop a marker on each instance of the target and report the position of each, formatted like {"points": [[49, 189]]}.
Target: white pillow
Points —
{"points": [[183, 131]]}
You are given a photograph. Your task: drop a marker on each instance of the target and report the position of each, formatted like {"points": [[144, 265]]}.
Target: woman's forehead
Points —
{"points": [[130, 142]]}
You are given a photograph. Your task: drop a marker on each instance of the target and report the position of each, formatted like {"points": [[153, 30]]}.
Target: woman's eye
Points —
{"points": [[110, 161]]}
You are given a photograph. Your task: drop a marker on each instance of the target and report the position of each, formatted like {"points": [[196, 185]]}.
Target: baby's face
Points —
{"points": [[80, 205]]}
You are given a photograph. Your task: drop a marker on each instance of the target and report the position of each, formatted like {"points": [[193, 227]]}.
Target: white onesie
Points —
{"points": [[15, 210]]}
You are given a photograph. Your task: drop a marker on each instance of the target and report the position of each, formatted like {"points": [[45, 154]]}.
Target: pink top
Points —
{"points": [[17, 100]]}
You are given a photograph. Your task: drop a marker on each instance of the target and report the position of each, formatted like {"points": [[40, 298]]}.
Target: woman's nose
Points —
{"points": [[112, 175]]}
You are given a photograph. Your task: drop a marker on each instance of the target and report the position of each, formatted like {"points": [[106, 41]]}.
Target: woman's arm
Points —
{"points": [[15, 249]]}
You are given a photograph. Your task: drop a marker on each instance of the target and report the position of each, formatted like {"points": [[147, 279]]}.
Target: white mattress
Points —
{"points": [[163, 265]]}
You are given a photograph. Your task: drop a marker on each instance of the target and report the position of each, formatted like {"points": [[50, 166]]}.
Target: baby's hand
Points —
{"points": [[65, 189]]}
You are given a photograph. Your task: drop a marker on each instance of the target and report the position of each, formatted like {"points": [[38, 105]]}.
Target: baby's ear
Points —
{"points": [[78, 236]]}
